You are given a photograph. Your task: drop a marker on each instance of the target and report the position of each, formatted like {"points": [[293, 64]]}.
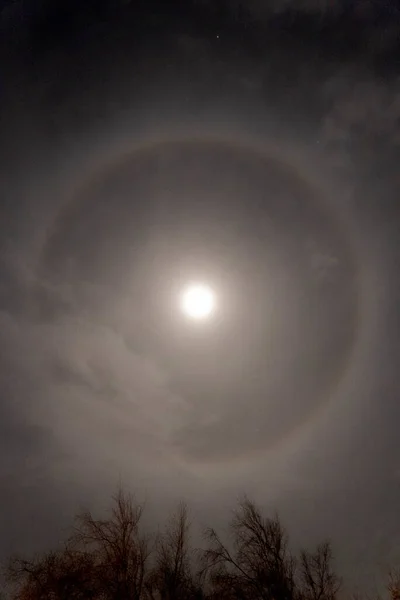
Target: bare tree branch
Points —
{"points": [[318, 581]]}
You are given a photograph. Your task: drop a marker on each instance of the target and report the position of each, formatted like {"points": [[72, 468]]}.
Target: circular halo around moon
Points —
{"points": [[298, 228], [197, 301]]}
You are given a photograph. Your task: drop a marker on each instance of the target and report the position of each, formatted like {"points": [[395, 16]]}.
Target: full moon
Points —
{"points": [[198, 301]]}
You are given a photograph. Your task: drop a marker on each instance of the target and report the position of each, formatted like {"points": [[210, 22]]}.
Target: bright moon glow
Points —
{"points": [[198, 301]]}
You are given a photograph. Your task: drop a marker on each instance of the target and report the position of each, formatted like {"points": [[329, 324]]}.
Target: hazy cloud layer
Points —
{"points": [[292, 393]]}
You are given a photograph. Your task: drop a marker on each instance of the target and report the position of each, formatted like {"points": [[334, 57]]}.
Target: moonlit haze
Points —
{"points": [[199, 266]]}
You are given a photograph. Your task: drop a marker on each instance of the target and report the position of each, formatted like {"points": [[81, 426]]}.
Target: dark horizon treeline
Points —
{"points": [[113, 559]]}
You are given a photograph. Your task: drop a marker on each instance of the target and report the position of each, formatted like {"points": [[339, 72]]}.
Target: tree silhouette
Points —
{"points": [[259, 566], [111, 559], [119, 551], [318, 581], [173, 577], [394, 585], [56, 575], [103, 559]]}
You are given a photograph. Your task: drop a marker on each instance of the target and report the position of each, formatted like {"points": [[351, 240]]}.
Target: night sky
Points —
{"points": [[255, 147]]}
